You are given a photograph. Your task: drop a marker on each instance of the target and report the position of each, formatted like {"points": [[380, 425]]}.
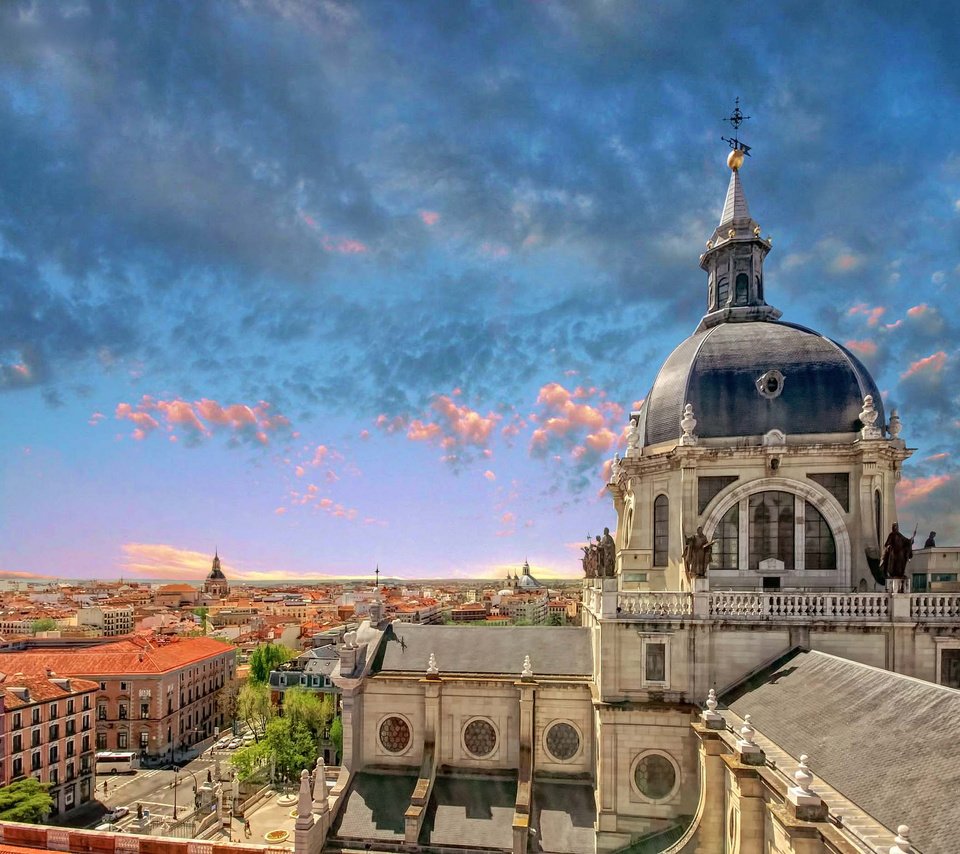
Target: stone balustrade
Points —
{"points": [[927, 607], [806, 606]]}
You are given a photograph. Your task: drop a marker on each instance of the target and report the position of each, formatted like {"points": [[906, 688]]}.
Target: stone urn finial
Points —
{"points": [[688, 424], [902, 842], [747, 732], [712, 700], [894, 426], [527, 672], [432, 669], [802, 776]]}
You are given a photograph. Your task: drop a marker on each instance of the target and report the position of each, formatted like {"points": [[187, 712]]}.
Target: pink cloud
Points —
{"points": [[200, 419], [563, 416], [96, 418], [910, 490], [936, 457], [917, 310], [280, 511], [494, 250], [933, 364], [429, 217], [489, 475], [873, 315], [299, 471], [343, 245], [863, 348]]}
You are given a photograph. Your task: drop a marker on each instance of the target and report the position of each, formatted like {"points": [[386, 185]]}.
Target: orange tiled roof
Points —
{"points": [[128, 656], [41, 689]]}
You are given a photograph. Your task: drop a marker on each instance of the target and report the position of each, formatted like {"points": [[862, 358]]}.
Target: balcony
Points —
{"points": [[736, 606]]}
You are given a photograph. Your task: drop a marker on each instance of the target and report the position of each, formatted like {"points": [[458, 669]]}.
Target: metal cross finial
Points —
{"points": [[377, 573], [735, 119]]}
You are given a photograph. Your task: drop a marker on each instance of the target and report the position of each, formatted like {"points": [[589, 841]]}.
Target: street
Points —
{"points": [[153, 789]]}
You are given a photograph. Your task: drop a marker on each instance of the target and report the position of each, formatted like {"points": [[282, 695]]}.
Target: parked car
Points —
{"points": [[223, 744], [237, 742], [116, 814]]}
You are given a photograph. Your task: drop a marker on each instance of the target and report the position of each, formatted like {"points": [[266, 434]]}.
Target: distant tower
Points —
{"points": [[216, 585]]}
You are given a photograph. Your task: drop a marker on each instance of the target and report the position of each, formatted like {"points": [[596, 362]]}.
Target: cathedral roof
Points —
{"points": [[873, 735], [717, 370]]}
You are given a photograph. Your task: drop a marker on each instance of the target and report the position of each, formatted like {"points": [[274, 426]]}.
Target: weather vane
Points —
{"points": [[735, 119]]}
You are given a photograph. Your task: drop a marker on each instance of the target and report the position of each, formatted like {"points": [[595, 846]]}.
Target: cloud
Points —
{"points": [[912, 490], [429, 217], [201, 419], [862, 348], [448, 424], [873, 315], [489, 475], [929, 364]]}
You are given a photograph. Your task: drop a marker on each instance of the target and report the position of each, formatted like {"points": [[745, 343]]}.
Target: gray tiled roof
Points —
{"points": [[471, 811], [887, 742], [553, 650], [716, 370], [375, 806], [564, 816]]}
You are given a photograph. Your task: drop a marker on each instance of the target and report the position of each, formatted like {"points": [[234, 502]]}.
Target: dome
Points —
{"points": [[745, 378]]}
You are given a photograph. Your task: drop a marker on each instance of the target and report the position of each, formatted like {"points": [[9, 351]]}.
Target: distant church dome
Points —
{"points": [[743, 371], [216, 584]]}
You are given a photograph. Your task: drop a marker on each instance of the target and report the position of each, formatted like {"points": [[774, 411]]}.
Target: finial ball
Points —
{"points": [[735, 159]]}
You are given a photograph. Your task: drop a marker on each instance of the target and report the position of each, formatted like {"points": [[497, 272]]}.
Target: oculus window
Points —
{"points": [[655, 776]]}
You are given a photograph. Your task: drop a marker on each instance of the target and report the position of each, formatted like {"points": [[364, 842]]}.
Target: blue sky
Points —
{"points": [[330, 284]]}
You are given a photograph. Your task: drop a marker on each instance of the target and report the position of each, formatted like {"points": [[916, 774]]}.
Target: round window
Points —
{"points": [[770, 385], [394, 734], [480, 738], [655, 776], [563, 742]]}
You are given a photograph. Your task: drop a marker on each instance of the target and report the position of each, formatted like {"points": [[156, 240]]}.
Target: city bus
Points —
{"points": [[117, 762]]}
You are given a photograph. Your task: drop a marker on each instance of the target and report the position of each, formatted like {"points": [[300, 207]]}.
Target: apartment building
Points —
{"points": [[156, 695], [48, 734], [111, 620]]}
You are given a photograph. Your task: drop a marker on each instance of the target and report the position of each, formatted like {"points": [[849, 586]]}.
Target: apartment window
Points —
{"points": [[85, 743], [17, 767], [144, 740], [123, 686], [35, 716], [71, 727], [70, 707], [17, 720], [101, 741], [70, 748], [35, 738], [54, 732], [54, 753], [144, 710], [101, 712], [70, 771], [86, 722], [123, 711], [86, 702], [122, 740], [53, 711], [169, 706], [54, 775], [103, 686], [17, 743]]}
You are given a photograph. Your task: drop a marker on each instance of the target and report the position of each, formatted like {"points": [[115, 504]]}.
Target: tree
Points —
{"points": [[555, 620], [336, 736], [308, 709], [26, 800], [267, 657], [290, 745], [44, 624], [255, 709], [227, 701], [202, 612]]}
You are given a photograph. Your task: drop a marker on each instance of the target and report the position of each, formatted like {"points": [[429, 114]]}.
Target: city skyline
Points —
{"points": [[365, 286]]}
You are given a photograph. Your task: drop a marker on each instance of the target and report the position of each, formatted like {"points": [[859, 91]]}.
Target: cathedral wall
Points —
{"points": [[463, 701], [564, 704], [390, 698], [734, 654], [626, 737], [867, 647]]}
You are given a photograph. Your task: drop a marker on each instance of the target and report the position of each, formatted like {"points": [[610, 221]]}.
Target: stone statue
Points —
{"points": [[633, 436], [697, 553], [588, 570], [897, 550], [609, 549], [931, 541]]}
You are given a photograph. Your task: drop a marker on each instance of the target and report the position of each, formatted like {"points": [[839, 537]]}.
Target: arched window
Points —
{"points": [[820, 550], [723, 291], [742, 287], [727, 538], [771, 528], [661, 530]]}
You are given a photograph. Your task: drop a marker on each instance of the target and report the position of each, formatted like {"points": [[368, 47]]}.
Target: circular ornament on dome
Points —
{"points": [[770, 385], [655, 776], [563, 742], [480, 738], [394, 734]]}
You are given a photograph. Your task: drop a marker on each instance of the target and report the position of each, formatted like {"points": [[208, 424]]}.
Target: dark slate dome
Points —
{"points": [[819, 389]]}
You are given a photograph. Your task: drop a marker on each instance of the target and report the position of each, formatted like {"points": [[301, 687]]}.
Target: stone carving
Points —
{"points": [[902, 841], [803, 777], [868, 417], [895, 425], [688, 424], [633, 437], [614, 467], [609, 549], [897, 550], [697, 554], [527, 672], [432, 669]]}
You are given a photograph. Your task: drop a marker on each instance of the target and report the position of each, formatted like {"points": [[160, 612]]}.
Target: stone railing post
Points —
{"points": [[608, 598], [900, 607]]}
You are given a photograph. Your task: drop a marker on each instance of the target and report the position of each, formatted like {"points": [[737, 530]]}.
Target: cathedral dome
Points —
{"points": [[744, 371], [745, 378]]}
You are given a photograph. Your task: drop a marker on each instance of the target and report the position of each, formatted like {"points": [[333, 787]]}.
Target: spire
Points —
{"points": [[733, 261]]}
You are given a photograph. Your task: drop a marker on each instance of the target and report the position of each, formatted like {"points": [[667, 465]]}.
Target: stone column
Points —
{"points": [[746, 797], [710, 835]]}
